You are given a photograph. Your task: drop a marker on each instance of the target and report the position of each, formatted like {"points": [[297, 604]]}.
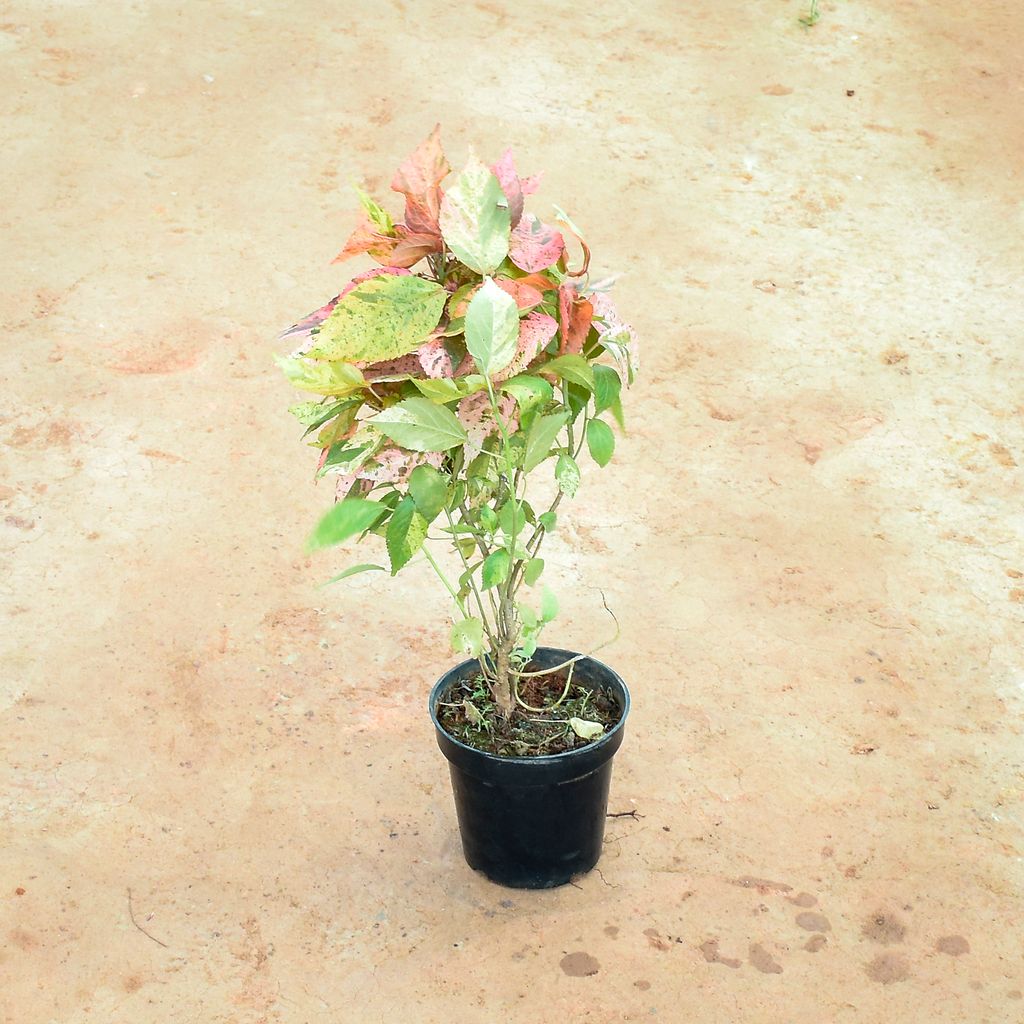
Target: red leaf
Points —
{"points": [[575, 315], [524, 294], [534, 246], [412, 247], [367, 239], [419, 180]]}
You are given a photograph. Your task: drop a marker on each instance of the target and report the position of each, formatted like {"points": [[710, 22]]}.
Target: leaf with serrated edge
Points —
{"points": [[571, 367], [495, 569], [529, 391], [334, 378], [383, 318], [475, 220], [542, 434], [492, 328], [421, 425], [607, 387], [468, 637], [567, 473], [346, 519], [532, 570]]}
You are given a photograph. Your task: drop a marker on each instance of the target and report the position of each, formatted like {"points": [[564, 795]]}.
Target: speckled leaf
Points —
{"points": [[419, 180], [535, 331], [383, 318], [468, 637], [330, 378], [618, 337], [475, 219], [535, 246], [419, 424], [492, 328], [567, 473], [477, 417]]}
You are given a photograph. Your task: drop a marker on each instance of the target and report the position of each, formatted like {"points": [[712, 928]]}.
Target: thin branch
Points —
{"points": [[578, 657], [131, 914]]}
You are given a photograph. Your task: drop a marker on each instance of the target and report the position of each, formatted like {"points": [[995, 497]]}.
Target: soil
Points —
{"points": [[468, 713]]}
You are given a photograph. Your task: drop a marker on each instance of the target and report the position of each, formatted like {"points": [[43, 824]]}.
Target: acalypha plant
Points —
{"points": [[474, 360]]}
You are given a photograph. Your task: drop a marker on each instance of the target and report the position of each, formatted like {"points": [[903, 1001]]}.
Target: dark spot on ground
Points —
{"points": [[612, 931], [811, 921], [804, 899], [815, 943], [884, 928], [642, 985], [655, 939], [579, 965], [888, 968], [710, 951], [953, 945], [763, 961]]}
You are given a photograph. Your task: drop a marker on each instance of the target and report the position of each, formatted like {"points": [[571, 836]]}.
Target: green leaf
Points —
{"points": [[444, 389], [600, 441], [339, 425], [379, 217], [540, 437], [572, 367], [607, 387], [512, 518], [495, 570], [312, 414], [407, 530], [586, 730], [529, 391], [351, 571], [548, 520], [488, 520], [532, 570], [383, 318], [492, 328], [334, 378], [527, 616], [421, 425], [468, 637], [429, 489], [548, 605], [616, 409], [567, 473], [346, 519], [475, 220]]}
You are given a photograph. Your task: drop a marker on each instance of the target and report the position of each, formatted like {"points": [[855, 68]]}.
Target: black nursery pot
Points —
{"points": [[533, 822]]}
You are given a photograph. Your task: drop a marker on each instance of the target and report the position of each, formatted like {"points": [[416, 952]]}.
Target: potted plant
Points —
{"points": [[472, 361]]}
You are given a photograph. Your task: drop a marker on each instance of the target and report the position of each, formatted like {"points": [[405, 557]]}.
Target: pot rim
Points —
{"points": [[545, 759]]}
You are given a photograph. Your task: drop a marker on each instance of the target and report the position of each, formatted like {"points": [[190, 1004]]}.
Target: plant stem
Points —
{"points": [[444, 579]]}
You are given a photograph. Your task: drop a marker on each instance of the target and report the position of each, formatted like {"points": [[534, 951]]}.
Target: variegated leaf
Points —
{"points": [[475, 219], [535, 246]]}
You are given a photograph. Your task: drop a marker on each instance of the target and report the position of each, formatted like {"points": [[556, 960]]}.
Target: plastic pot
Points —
{"points": [[533, 822]]}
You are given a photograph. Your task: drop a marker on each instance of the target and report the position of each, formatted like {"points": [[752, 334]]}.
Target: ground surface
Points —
{"points": [[812, 536]]}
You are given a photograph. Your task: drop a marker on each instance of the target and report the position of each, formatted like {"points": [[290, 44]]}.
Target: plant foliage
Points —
{"points": [[474, 359]]}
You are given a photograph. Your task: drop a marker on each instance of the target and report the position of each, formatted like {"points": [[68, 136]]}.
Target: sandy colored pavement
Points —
{"points": [[812, 535]]}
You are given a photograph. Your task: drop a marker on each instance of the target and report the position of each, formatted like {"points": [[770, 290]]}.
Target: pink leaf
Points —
{"points": [[302, 332], [505, 171], [476, 416], [535, 246], [531, 184], [393, 465], [524, 293], [434, 358], [612, 327], [419, 180], [535, 331], [366, 238]]}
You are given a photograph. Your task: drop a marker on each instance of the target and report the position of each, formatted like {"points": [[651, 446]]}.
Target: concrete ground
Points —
{"points": [[222, 797]]}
